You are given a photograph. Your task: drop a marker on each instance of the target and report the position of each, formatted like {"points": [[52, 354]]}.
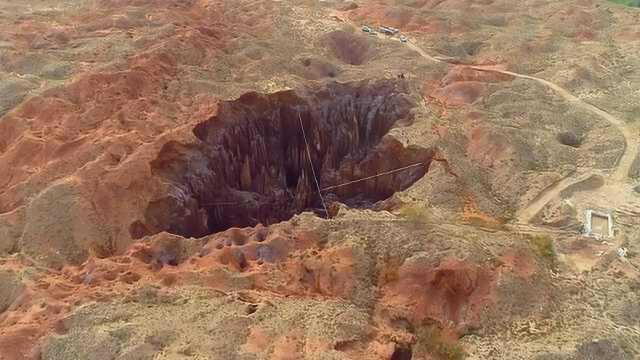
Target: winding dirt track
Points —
{"points": [[621, 170], [526, 214]]}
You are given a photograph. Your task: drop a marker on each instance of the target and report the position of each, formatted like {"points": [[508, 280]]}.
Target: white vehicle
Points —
{"points": [[403, 38], [366, 29], [385, 30], [388, 30]]}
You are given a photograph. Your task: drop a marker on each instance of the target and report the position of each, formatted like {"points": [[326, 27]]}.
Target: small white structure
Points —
{"points": [[622, 252], [598, 224]]}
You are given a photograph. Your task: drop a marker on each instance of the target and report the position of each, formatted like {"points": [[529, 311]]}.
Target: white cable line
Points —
{"points": [[304, 135], [372, 176]]}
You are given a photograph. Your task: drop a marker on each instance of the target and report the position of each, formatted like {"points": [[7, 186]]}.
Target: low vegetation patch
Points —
{"points": [[543, 246], [414, 213], [430, 340], [633, 3]]}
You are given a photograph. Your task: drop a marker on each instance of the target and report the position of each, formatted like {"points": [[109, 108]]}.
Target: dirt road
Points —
{"points": [[620, 172]]}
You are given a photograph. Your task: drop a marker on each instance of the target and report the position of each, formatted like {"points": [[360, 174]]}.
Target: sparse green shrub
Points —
{"points": [[431, 341], [415, 214], [543, 246], [634, 3]]}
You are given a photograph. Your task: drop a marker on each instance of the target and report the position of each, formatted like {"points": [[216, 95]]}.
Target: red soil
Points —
{"points": [[452, 292]]}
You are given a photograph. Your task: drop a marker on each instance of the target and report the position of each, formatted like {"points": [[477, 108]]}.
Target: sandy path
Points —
{"points": [[526, 214]]}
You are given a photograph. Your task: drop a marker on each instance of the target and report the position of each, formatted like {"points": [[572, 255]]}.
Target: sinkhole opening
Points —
{"points": [[402, 353], [252, 164], [569, 138]]}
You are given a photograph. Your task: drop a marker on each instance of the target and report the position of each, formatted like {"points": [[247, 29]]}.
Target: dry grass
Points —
{"points": [[415, 215], [430, 341], [388, 270], [543, 246]]}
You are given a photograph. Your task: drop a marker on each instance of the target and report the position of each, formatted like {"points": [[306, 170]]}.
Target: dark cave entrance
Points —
{"points": [[402, 353], [251, 164]]}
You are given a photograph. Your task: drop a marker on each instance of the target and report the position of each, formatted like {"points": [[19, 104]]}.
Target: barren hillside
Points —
{"points": [[308, 179]]}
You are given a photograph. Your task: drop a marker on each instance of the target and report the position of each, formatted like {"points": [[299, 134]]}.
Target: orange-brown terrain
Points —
{"points": [[161, 164]]}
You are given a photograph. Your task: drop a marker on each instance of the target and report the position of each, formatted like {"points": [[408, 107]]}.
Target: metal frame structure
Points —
{"points": [[588, 217]]}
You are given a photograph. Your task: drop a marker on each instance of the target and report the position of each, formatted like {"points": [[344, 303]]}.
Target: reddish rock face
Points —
{"points": [[19, 343], [328, 273], [459, 93], [521, 263], [69, 118], [452, 292], [281, 260], [486, 148], [463, 86], [38, 307]]}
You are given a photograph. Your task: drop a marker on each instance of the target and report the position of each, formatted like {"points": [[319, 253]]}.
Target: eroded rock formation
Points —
{"points": [[251, 163]]}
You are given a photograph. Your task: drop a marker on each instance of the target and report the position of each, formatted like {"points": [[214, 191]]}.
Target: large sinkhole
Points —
{"points": [[251, 163]]}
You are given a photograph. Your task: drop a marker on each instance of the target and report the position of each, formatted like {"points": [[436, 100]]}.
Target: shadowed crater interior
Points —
{"points": [[251, 165], [570, 139]]}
